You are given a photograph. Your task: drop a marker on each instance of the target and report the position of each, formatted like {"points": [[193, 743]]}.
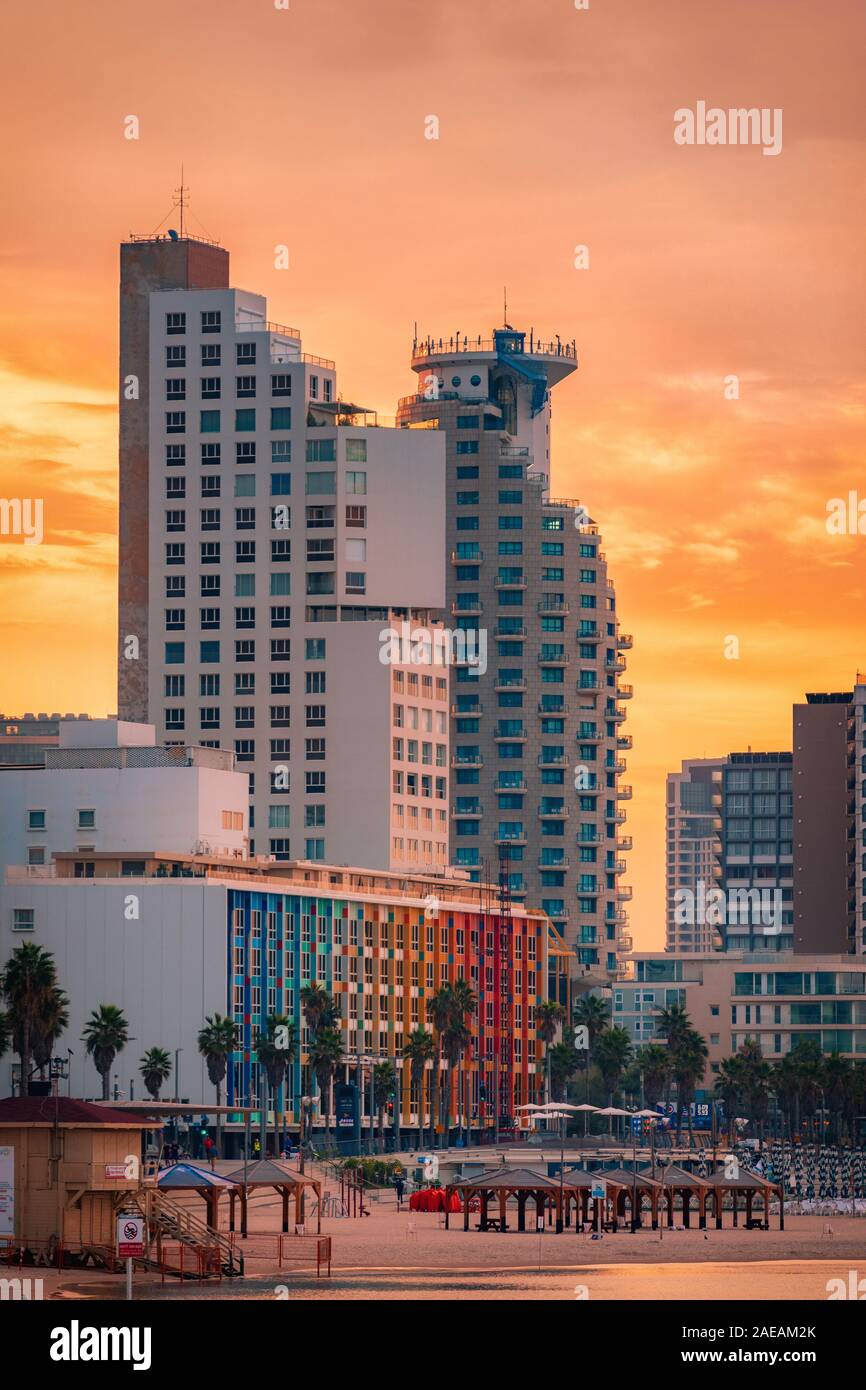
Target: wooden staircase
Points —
{"points": [[166, 1220]]}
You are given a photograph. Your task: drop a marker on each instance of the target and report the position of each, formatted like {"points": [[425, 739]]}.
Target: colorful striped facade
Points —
{"points": [[383, 957]]}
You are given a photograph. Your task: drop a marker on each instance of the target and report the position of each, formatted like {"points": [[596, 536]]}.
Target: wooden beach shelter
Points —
{"points": [[495, 1187], [186, 1177], [266, 1173], [748, 1185], [623, 1186], [679, 1181]]}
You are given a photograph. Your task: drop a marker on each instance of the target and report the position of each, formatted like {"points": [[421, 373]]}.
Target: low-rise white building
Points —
{"points": [[108, 785]]}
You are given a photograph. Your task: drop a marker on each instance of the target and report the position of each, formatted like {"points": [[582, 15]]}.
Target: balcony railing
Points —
{"points": [[265, 326], [462, 343]]}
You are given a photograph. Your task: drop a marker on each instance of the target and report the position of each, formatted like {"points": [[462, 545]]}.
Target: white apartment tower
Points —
{"points": [[538, 750], [271, 535]]}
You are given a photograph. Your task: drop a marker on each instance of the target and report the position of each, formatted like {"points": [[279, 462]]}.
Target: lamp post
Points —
{"points": [[177, 1052]]}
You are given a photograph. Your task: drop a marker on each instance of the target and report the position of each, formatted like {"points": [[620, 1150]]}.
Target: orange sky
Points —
{"points": [[306, 127]]}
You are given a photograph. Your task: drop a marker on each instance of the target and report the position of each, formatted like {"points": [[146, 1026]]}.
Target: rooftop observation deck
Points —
{"points": [[547, 353]]}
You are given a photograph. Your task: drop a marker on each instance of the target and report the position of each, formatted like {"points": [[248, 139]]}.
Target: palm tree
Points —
{"points": [[106, 1033], [672, 1023], [318, 1007], [384, 1078], [548, 1017], [562, 1061], [28, 980], [612, 1054], [274, 1055], [155, 1068], [689, 1059], [325, 1055], [217, 1040], [592, 1013], [52, 1021], [439, 1012], [420, 1048], [837, 1075], [757, 1080], [730, 1088], [655, 1068], [457, 1041]]}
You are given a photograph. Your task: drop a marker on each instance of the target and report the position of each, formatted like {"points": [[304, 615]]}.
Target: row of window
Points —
{"points": [[210, 387], [245, 553], [85, 819]]}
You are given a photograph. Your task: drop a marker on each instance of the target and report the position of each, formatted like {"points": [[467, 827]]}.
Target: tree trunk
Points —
{"points": [[25, 1058], [106, 1076]]}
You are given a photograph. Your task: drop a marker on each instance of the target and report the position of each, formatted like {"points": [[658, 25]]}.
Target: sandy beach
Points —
{"points": [[410, 1255]]}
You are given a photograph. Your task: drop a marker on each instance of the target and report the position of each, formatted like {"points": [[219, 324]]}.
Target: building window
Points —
{"points": [[23, 919], [211, 321]]}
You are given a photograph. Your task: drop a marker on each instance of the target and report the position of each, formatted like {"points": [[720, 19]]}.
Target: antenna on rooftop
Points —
{"points": [[504, 307], [182, 199]]}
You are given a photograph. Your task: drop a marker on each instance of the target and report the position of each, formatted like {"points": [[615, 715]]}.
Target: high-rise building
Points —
{"points": [[693, 810], [729, 873], [537, 744], [272, 537], [756, 853], [830, 821]]}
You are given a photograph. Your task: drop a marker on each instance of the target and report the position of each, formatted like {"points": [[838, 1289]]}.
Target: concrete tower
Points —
{"points": [[537, 747]]}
